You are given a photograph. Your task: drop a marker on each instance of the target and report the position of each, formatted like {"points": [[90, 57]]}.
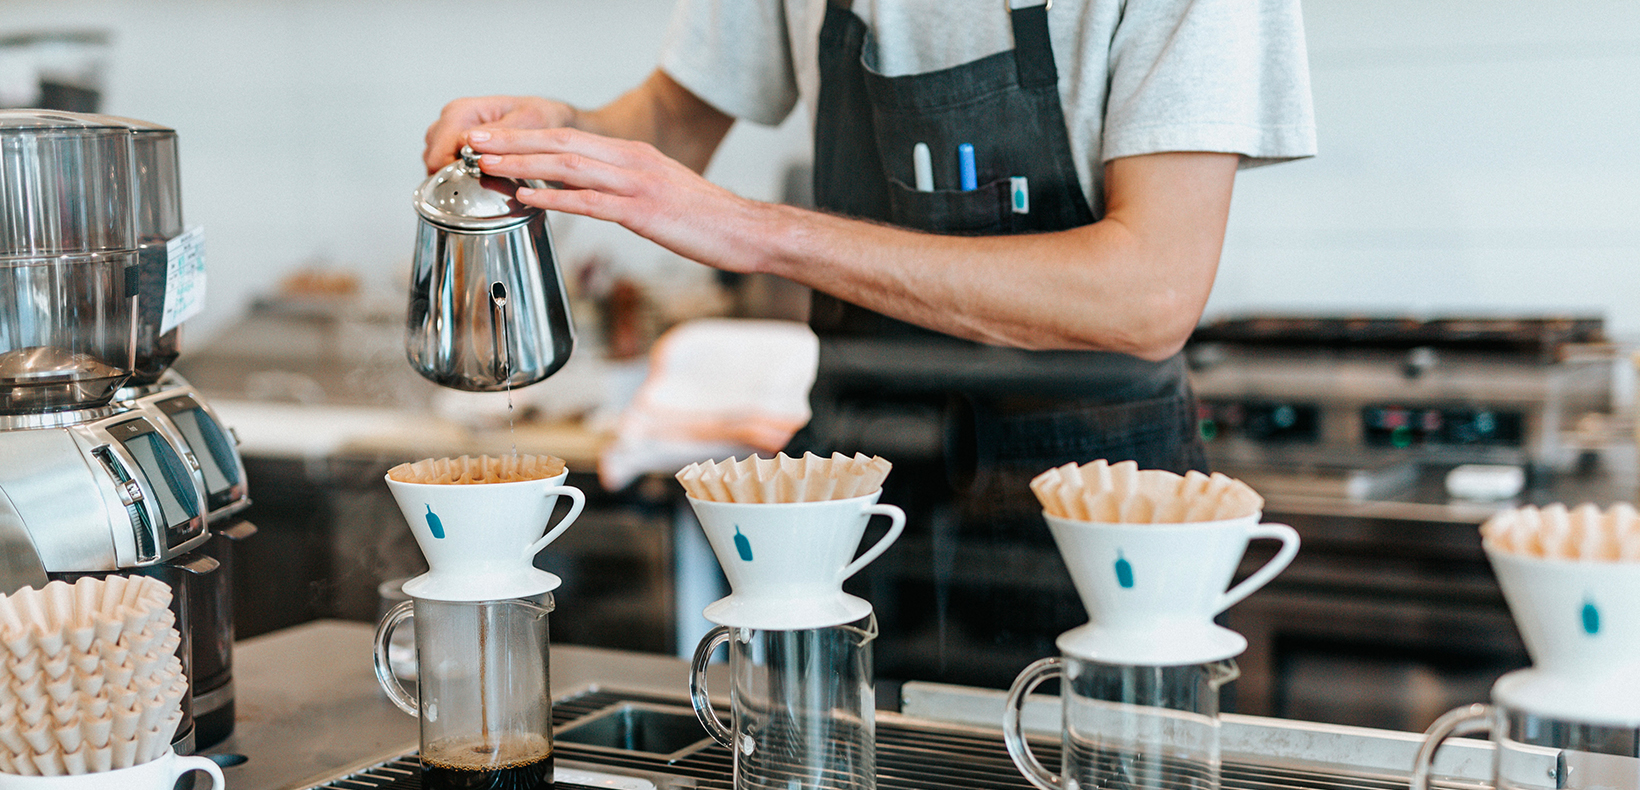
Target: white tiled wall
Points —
{"points": [[1477, 155]]}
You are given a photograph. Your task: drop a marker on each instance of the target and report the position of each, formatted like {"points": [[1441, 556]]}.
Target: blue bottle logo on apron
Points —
{"points": [[742, 546], [1591, 618], [433, 524], [1124, 571]]}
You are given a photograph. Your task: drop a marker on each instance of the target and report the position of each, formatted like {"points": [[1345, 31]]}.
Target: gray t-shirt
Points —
{"points": [[1135, 76]]}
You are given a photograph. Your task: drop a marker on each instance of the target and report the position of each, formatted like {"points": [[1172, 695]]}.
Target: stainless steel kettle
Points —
{"points": [[488, 311]]}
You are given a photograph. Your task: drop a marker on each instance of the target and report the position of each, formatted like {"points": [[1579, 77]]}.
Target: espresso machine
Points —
{"points": [[109, 462]]}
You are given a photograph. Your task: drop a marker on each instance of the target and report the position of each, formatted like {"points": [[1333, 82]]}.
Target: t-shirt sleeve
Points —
{"points": [[1229, 76], [735, 55]]}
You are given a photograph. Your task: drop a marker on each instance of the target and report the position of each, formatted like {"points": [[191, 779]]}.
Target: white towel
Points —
{"points": [[717, 387]]}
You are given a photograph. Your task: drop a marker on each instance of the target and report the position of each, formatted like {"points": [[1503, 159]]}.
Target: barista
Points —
{"points": [[1026, 287]]}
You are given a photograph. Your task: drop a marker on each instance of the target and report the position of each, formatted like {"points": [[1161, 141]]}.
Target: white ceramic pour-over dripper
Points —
{"points": [[786, 562], [480, 539], [1152, 590], [1581, 624]]}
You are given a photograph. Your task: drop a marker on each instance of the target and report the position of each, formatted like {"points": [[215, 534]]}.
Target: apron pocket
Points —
{"points": [[986, 211]]}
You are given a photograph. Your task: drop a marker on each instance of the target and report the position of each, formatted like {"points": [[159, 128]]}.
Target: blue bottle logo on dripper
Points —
{"points": [[433, 524], [742, 546], [1591, 617], [1124, 571]]}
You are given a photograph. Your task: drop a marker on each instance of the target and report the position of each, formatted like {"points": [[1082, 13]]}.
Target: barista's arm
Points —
{"points": [[659, 112], [1136, 281]]}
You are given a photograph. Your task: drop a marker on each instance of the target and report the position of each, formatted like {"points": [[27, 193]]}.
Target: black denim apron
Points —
{"points": [[976, 589]]}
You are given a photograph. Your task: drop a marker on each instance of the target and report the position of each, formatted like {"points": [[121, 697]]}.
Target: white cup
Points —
{"points": [[480, 539], [160, 773], [1152, 590], [1579, 619], [786, 562]]}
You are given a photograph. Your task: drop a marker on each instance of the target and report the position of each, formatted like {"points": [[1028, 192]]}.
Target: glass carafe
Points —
{"points": [[483, 696], [802, 704], [1537, 752], [1126, 727]]}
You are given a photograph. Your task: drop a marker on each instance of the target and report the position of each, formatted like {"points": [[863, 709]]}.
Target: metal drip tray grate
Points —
{"points": [[911, 755]]}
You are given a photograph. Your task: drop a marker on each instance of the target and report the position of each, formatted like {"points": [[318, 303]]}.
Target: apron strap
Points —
{"points": [[846, 5], [1033, 49]]}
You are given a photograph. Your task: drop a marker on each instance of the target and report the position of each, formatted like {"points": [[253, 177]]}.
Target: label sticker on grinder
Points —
{"points": [[184, 278]]}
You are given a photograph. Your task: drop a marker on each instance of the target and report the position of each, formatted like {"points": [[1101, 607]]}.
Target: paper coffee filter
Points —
{"points": [[784, 479], [90, 679], [1124, 493], [1585, 532], [467, 470]]}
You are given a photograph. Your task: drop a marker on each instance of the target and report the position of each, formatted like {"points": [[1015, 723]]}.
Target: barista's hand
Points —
{"points": [[630, 183], [444, 137]]}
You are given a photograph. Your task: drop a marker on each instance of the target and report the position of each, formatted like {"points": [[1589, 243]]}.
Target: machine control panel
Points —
{"points": [[1394, 425], [212, 448], [172, 513], [1275, 422]]}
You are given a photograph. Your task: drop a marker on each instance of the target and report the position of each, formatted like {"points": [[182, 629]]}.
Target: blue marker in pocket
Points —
{"points": [[965, 167]]}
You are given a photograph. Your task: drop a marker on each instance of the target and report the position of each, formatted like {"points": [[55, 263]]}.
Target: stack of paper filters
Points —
{"points": [[89, 677], [812, 478]]}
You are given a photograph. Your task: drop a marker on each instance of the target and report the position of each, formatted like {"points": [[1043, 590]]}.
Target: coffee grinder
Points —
{"points": [[159, 392], [108, 464]]}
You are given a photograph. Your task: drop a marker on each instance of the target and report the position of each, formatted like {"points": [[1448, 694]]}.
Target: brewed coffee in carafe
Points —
{"points": [[482, 696]]}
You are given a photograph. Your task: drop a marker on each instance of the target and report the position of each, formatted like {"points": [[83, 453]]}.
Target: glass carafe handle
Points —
{"points": [[1467, 720], [1013, 733], [698, 695], [384, 668]]}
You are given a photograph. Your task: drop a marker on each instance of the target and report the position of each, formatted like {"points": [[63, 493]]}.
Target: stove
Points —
{"points": [[1364, 394]]}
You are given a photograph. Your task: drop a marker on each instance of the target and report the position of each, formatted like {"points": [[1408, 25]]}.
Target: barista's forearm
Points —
{"points": [[1135, 282], [664, 114]]}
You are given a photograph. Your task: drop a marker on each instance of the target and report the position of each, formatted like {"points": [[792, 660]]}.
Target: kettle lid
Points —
{"points": [[461, 197]]}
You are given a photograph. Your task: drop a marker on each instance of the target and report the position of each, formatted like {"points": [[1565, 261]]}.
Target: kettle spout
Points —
{"points": [[500, 331]]}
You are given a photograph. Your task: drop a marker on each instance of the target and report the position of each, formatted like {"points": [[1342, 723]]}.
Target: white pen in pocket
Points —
{"points": [[922, 164]]}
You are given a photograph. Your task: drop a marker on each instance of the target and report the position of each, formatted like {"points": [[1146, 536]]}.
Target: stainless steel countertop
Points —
{"points": [[309, 707], [309, 711]]}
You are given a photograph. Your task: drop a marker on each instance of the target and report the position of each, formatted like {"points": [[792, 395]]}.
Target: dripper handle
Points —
{"points": [[698, 696], [384, 669], [1289, 549], [897, 525], [1467, 720], [1013, 732], [578, 502]]}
